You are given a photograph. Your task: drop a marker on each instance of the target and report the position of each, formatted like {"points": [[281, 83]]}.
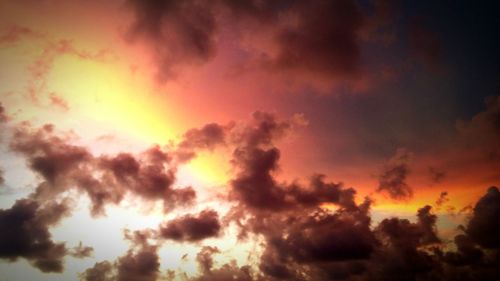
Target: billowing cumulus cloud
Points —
{"points": [[310, 230], [63, 166]]}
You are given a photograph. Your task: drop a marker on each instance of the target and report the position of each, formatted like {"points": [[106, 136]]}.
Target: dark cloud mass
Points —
{"points": [[63, 166], [192, 228], [316, 37], [25, 234], [325, 39], [141, 266], [484, 227], [310, 231], [181, 32]]}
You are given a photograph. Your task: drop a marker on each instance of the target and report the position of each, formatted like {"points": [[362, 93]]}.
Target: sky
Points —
{"points": [[249, 140]]}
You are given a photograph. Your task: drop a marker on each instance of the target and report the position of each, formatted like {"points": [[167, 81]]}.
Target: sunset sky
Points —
{"points": [[249, 140]]}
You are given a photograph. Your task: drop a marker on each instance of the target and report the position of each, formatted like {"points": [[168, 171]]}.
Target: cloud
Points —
{"points": [[192, 228], [207, 137], [81, 251], [228, 271], [324, 39], [329, 238], [467, 252], [50, 156], [443, 198], [25, 234], [106, 178], [179, 32], [204, 258], [101, 271], [15, 33], [393, 177], [48, 50], [481, 228], [314, 230], [319, 38], [57, 101], [141, 266]]}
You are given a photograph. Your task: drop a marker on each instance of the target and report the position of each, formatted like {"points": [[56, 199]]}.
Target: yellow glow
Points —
{"points": [[104, 94], [210, 168]]}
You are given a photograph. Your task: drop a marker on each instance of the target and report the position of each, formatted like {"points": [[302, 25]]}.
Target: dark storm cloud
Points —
{"points": [[321, 245], [318, 192], [324, 40], [402, 232], [256, 160], [192, 228], [25, 234], [316, 37], [302, 238], [181, 32], [306, 243], [467, 252], [393, 178], [329, 238], [256, 187], [484, 227], [427, 223]]}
